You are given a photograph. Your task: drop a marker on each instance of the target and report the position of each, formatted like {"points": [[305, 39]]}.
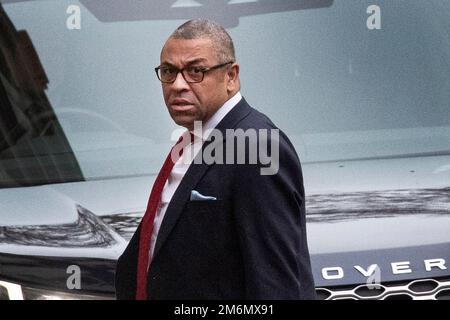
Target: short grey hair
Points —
{"points": [[203, 28]]}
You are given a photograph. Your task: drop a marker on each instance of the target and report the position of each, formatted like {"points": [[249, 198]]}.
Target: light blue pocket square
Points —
{"points": [[197, 196]]}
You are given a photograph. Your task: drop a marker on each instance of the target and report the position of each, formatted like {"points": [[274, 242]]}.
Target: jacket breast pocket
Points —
{"points": [[207, 206], [205, 222]]}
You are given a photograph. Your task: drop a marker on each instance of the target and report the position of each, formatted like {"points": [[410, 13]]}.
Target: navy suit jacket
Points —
{"points": [[250, 243]]}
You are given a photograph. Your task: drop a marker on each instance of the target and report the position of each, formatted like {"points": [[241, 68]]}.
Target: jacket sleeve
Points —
{"points": [[125, 276], [270, 220]]}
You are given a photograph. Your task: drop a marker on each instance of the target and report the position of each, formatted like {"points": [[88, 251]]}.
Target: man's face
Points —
{"points": [[189, 102]]}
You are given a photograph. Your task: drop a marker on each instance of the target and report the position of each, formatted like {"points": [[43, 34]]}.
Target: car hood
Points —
{"points": [[350, 229], [400, 232]]}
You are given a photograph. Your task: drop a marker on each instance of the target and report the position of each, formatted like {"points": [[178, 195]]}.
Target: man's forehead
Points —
{"points": [[187, 50]]}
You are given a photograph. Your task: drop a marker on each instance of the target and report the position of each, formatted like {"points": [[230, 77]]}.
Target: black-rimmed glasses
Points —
{"points": [[191, 74]]}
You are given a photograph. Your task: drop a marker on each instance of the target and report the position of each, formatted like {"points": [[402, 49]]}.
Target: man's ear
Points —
{"points": [[233, 78]]}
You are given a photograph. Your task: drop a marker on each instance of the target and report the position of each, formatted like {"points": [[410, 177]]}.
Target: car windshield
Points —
{"points": [[80, 99]]}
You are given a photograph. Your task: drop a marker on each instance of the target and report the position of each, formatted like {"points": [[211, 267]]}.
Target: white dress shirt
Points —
{"points": [[182, 165]]}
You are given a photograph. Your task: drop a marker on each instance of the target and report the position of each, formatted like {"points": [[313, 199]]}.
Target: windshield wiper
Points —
{"points": [[387, 157]]}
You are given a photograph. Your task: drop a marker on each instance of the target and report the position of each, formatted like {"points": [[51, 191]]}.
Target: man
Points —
{"points": [[217, 230]]}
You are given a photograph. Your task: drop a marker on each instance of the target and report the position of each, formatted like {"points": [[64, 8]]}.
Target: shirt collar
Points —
{"points": [[220, 114]]}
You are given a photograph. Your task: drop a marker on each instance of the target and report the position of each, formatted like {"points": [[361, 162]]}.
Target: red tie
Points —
{"points": [[148, 220]]}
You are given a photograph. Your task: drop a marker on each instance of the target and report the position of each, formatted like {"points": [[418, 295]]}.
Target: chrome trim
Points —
{"points": [[390, 290]]}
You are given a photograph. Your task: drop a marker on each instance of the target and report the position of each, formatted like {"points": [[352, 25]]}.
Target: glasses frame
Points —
{"points": [[203, 70]]}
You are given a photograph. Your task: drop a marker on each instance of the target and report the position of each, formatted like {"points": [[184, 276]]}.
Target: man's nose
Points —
{"points": [[180, 83]]}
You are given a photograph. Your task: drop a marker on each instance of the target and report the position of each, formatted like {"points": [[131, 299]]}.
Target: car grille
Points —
{"points": [[423, 289]]}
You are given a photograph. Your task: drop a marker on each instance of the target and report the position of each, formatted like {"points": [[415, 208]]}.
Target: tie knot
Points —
{"points": [[185, 139]]}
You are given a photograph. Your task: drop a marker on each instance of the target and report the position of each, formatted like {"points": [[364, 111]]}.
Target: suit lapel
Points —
{"points": [[193, 176]]}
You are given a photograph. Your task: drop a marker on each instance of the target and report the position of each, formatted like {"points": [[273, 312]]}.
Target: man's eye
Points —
{"points": [[195, 69], [167, 70]]}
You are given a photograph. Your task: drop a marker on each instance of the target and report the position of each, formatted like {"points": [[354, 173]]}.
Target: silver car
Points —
{"points": [[362, 88]]}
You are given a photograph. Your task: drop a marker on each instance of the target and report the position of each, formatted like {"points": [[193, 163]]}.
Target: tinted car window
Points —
{"points": [[340, 90]]}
